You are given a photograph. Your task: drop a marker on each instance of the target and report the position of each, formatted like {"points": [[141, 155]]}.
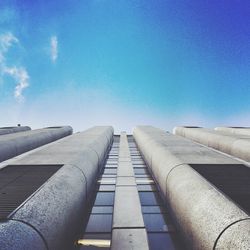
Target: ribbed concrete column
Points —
{"points": [[15, 144], [50, 218], [234, 144], [128, 230], [206, 217], [11, 130], [234, 130]]}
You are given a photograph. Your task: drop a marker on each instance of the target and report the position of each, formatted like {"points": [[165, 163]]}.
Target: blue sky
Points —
{"points": [[159, 62]]}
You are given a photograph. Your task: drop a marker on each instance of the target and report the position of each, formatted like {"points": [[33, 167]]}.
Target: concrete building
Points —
{"points": [[150, 190]]}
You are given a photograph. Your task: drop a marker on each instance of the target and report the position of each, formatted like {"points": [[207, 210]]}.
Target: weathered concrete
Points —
{"points": [[15, 144], [128, 229], [124, 239], [54, 213], [200, 210], [234, 130], [237, 145], [11, 130]]}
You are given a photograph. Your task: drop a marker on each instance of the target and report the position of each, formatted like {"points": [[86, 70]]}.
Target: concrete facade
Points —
{"points": [[51, 217], [153, 190], [15, 144], [237, 145], [206, 217], [128, 227]]}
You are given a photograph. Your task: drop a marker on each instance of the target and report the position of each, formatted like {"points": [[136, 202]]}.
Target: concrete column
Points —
{"points": [[206, 217], [52, 216], [10, 130], [234, 130], [237, 145], [15, 144], [128, 231]]}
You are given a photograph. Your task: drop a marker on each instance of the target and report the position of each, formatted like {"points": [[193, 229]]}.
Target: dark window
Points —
{"points": [[18, 182], [231, 179], [140, 171], [150, 198], [161, 241], [99, 223], [153, 209], [104, 199], [156, 223]]}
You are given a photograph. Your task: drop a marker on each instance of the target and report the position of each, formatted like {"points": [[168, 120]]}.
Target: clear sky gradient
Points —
{"points": [[124, 63]]}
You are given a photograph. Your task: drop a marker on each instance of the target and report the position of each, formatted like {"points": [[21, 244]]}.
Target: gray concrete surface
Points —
{"points": [[124, 239], [237, 145], [234, 130], [202, 213], [128, 229], [11, 130], [54, 213], [15, 144]]}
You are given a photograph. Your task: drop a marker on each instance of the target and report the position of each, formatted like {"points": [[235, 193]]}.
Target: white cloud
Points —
{"points": [[18, 73], [6, 41], [53, 48], [22, 78]]}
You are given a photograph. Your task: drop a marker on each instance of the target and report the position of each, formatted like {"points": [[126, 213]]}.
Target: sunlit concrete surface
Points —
{"points": [[234, 144], [51, 217], [207, 218], [15, 144]]}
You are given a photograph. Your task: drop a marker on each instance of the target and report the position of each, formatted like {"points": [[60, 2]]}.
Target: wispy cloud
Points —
{"points": [[6, 41], [53, 48], [22, 78], [19, 74]]}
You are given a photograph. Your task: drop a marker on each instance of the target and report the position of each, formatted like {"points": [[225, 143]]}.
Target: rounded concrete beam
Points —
{"points": [[15, 144], [234, 144], [10, 130], [234, 130], [200, 210], [56, 210], [13, 234]]}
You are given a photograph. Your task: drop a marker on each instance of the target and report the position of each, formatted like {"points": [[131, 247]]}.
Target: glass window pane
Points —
{"points": [[150, 198], [156, 223], [140, 170], [161, 241], [153, 209], [99, 223], [104, 199]]}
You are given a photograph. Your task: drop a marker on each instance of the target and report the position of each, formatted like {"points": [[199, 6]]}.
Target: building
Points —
{"points": [[100, 190]]}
